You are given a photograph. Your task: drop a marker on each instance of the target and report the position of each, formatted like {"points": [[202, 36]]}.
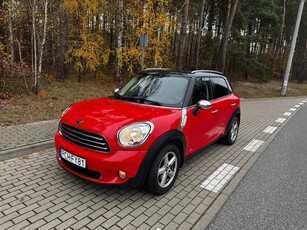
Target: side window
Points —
{"points": [[202, 90], [220, 86]]}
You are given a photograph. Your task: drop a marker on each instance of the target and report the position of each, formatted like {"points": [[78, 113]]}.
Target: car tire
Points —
{"points": [[164, 170], [232, 131]]}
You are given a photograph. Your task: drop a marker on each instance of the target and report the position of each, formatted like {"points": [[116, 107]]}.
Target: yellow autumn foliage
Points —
{"points": [[89, 50], [153, 19]]}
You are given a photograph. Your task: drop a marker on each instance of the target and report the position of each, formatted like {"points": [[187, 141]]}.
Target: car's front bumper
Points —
{"points": [[100, 167]]}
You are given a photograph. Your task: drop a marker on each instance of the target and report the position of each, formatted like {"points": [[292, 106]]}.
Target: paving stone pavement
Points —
{"points": [[26, 138], [36, 193]]}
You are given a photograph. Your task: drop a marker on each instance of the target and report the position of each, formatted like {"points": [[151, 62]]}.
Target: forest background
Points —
{"points": [[54, 53]]}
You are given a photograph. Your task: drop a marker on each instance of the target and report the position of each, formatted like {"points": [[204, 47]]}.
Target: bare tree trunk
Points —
{"points": [[248, 47], [200, 32], [2, 29], [221, 62], [53, 48], [41, 48], [11, 39], [300, 59], [304, 68], [2, 32], [34, 46], [38, 47], [11, 35], [212, 12], [280, 42], [61, 66], [158, 39], [173, 32], [19, 51], [120, 43], [183, 35], [187, 48]]}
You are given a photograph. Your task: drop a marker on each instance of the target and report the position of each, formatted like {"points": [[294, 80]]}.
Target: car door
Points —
{"points": [[223, 103], [200, 128]]}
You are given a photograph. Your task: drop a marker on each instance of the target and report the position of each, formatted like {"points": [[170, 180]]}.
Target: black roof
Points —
{"points": [[159, 70], [193, 73]]}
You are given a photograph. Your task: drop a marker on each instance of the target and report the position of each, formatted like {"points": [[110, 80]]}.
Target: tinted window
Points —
{"points": [[202, 90], [221, 88]]}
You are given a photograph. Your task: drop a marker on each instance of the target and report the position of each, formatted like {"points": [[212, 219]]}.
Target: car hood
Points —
{"points": [[106, 116]]}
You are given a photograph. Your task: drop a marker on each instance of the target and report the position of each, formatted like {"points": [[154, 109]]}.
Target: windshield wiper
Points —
{"points": [[120, 97], [141, 100], [151, 102]]}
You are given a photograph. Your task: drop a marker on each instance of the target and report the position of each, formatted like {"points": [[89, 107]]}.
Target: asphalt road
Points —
{"points": [[273, 194]]}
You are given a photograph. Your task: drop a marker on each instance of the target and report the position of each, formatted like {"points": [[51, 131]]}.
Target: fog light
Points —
{"points": [[122, 175]]}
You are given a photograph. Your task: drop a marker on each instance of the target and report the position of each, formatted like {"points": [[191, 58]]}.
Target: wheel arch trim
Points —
{"points": [[173, 136], [237, 113]]}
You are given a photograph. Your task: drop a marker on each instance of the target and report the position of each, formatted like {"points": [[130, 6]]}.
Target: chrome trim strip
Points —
{"points": [[85, 144], [82, 139], [184, 118], [75, 130]]}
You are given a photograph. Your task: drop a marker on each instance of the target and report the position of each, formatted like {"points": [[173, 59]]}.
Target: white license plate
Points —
{"points": [[73, 158]]}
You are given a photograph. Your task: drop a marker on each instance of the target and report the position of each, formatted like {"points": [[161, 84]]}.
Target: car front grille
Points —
{"points": [[84, 138]]}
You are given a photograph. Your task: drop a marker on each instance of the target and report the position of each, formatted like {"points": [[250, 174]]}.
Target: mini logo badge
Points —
{"points": [[79, 121]]}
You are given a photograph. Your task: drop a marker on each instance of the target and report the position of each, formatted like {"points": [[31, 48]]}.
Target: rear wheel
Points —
{"points": [[164, 170], [233, 131]]}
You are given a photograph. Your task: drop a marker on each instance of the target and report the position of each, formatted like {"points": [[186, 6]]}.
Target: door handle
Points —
{"points": [[214, 111], [233, 104]]}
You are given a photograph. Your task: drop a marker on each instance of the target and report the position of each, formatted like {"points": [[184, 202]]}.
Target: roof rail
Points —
{"points": [[207, 71], [157, 70]]}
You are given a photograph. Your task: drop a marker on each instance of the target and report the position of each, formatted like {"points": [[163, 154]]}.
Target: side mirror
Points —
{"points": [[202, 104]]}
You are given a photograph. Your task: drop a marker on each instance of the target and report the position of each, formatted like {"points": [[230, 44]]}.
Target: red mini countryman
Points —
{"points": [[143, 133]]}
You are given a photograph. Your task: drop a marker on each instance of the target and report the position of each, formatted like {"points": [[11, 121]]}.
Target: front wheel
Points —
{"points": [[164, 170], [232, 132]]}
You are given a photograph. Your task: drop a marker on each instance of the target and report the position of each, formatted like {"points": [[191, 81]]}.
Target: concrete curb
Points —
{"points": [[25, 150]]}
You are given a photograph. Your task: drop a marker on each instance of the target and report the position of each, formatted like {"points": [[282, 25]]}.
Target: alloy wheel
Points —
{"points": [[234, 130], [167, 169]]}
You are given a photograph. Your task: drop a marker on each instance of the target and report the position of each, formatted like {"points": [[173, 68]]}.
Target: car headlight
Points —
{"points": [[65, 110], [135, 134]]}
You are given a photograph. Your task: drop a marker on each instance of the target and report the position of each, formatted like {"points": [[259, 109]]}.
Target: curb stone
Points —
{"points": [[25, 150]]}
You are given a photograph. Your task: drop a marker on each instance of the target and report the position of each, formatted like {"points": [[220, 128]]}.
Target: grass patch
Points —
{"points": [[22, 108], [50, 103], [268, 90]]}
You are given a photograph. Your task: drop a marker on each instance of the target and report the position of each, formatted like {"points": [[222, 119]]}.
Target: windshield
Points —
{"points": [[156, 89]]}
